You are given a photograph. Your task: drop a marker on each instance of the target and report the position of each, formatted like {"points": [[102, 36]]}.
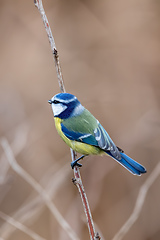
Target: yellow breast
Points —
{"points": [[79, 147]]}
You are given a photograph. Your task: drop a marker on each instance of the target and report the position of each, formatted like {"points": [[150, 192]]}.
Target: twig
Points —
{"points": [[20, 226], [33, 208], [39, 5], [78, 181], [93, 235], [19, 170], [139, 203], [17, 145]]}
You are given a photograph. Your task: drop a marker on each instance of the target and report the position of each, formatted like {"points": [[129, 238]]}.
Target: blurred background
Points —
{"points": [[110, 58]]}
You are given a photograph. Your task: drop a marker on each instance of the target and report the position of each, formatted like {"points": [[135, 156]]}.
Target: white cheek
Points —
{"points": [[58, 108]]}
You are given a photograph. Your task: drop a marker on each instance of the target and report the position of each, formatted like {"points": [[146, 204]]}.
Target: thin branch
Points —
{"points": [[139, 203], [33, 208], [17, 145], [93, 235], [78, 182], [19, 170], [39, 5], [20, 226]]}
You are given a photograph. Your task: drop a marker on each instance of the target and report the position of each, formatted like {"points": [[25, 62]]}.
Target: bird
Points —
{"points": [[82, 132]]}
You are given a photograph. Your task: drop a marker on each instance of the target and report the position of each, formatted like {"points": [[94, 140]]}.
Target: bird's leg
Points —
{"points": [[75, 162]]}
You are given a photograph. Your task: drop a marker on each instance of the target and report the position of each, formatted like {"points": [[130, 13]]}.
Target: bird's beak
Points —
{"points": [[50, 101]]}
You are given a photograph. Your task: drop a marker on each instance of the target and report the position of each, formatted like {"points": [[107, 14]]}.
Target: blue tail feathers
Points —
{"points": [[131, 165]]}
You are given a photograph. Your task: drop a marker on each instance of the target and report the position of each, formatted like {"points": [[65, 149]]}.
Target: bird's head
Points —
{"points": [[65, 105]]}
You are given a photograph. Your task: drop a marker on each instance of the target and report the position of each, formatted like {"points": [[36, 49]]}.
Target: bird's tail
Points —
{"points": [[131, 165]]}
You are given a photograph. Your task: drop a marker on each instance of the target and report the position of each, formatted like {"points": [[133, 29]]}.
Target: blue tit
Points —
{"points": [[82, 132]]}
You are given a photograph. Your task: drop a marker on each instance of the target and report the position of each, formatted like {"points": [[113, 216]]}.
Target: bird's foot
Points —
{"points": [[75, 162]]}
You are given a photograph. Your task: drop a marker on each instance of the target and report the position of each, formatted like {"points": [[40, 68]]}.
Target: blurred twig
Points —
{"points": [[78, 182], [139, 203], [33, 208], [19, 170], [20, 226], [17, 145]]}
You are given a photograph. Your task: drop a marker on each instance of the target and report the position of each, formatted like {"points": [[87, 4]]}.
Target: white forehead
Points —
{"points": [[63, 100]]}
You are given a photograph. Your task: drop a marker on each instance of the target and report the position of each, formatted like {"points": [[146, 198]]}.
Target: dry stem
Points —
{"points": [[139, 203], [19, 170], [93, 235], [33, 208], [39, 5], [20, 226]]}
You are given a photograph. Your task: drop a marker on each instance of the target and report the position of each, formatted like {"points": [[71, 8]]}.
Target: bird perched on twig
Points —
{"points": [[84, 134]]}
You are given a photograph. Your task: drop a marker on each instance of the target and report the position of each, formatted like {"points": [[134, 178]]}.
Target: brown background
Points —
{"points": [[110, 58]]}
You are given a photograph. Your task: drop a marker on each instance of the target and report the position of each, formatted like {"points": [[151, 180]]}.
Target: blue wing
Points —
{"points": [[97, 137], [80, 137], [100, 138], [106, 143]]}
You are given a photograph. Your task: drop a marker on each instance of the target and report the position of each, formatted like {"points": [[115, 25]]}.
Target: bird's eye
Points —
{"points": [[56, 102]]}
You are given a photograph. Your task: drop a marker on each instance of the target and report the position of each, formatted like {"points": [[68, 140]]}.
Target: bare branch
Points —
{"points": [[78, 182], [39, 5], [17, 145], [19, 170], [20, 226], [139, 203], [33, 208]]}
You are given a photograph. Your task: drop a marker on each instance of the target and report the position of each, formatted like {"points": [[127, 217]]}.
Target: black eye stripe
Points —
{"points": [[55, 102]]}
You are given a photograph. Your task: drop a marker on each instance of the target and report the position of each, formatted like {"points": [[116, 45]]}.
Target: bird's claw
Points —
{"points": [[75, 163]]}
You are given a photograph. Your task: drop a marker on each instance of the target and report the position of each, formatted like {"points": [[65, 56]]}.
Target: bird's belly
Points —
{"points": [[85, 149], [79, 147]]}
